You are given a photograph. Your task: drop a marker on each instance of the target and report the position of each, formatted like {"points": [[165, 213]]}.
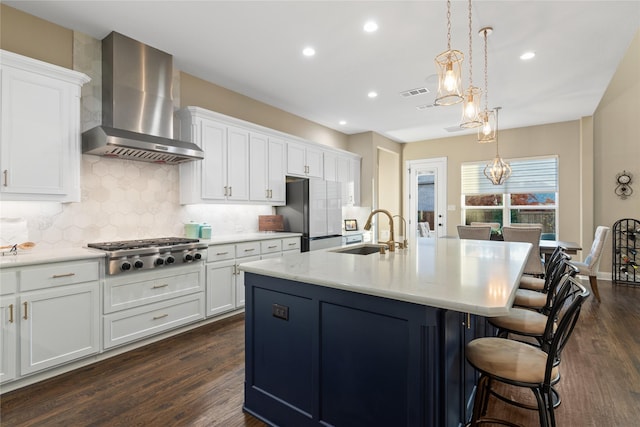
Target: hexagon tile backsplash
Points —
{"points": [[123, 200]]}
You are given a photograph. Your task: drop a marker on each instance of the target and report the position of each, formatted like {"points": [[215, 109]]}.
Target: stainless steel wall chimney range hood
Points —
{"points": [[137, 107]]}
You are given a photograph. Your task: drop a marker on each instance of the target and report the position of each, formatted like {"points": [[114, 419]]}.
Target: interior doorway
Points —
{"points": [[427, 198]]}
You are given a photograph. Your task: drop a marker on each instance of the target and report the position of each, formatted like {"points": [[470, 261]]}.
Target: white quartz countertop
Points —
{"points": [[248, 237], [37, 256], [470, 276]]}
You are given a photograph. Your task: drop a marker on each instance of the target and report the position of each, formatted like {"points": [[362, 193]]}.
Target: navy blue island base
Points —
{"points": [[319, 356]]}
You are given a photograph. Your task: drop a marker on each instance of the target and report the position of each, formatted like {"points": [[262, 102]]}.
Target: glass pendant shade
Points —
{"points": [[497, 171], [471, 108], [488, 128], [448, 64]]}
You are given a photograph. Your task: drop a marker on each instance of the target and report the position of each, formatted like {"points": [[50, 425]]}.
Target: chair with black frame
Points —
{"points": [[524, 365], [538, 283]]}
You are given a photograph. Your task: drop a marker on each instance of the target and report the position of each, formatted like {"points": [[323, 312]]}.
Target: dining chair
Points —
{"points": [[522, 365], [474, 232], [529, 235], [493, 225], [591, 264]]}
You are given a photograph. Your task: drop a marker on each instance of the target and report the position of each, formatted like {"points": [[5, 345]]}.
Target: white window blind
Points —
{"points": [[539, 175]]}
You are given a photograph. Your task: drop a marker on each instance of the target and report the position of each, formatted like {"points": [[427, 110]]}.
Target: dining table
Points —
{"points": [[548, 246]]}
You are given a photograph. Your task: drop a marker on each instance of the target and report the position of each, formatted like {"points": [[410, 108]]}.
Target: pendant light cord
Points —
{"points": [[448, 25], [470, 50]]}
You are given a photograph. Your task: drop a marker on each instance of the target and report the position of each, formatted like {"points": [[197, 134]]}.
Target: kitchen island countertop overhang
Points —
{"points": [[470, 276]]}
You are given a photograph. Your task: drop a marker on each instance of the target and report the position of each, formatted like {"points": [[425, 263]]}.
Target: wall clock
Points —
{"points": [[624, 190]]}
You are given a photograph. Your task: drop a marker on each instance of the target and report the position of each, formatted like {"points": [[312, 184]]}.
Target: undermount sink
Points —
{"points": [[361, 249]]}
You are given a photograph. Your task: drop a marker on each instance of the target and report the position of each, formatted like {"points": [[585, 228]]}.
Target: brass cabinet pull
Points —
{"points": [[226, 190], [230, 191], [10, 313], [468, 320], [57, 276], [249, 250], [271, 194], [222, 253], [266, 194], [272, 247], [6, 180], [160, 317], [26, 313], [159, 286], [292, 244]]}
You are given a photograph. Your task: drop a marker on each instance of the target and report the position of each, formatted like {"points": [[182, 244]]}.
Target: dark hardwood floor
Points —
{"points": [[196, 379]]}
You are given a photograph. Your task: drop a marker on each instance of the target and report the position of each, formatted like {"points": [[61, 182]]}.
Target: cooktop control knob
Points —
{"points": [[188, 257], [125, 266], [170, 260], [197, 256], [138, 264], [159, 261]]}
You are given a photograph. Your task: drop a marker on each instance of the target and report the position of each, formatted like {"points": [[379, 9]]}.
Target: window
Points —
{"points": [[530, 195]]}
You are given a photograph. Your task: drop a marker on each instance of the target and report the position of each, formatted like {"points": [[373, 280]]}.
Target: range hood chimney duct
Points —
{"points": [[137, 106]]}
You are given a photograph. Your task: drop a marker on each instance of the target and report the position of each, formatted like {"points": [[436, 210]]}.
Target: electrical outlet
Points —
{"points": [[280, 311]]}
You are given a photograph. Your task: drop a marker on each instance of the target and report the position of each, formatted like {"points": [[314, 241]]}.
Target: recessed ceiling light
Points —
{"points": [[527, 55], [308, 51], [370, 26], [342, 122], [372, 94]]}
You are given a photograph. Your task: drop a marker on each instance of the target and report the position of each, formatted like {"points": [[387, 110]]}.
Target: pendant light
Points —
{"points": [[498, 171], [471, 104], [448, 64], [487, 131]]}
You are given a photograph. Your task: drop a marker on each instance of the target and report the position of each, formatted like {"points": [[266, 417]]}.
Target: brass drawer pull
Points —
{"points": [[6, 181], [160, 317], [222, 253], [159, 286], [249, 250], [10, 313], [57, 276], [26, 313], [292, 244], [272, 247]]}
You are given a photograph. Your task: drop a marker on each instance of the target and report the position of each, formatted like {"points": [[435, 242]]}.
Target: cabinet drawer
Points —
{"points": [[270, 246], [58, 274], [122, 294], [8, 282], [291, 243], [221, 252], [247, 249], [142, 322]]}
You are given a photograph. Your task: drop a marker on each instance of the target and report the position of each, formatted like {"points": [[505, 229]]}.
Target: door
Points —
{"points": [[427, 198]]}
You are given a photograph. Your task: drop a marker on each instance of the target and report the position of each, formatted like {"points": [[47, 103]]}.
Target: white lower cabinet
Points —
{"points": [[58, 325], [141, 322], [143, 304], [8, 343], [225, 281], [50, 316]]}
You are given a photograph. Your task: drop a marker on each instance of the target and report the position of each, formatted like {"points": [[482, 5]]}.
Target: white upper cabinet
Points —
{"points": [[223, 174], [304, 160], [331, 166], [266, 169], [349, 177], [40, 138]]}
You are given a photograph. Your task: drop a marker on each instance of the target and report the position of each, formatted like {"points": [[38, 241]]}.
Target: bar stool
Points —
{"points": [[523, 365], [537, 283], [541, 300]]}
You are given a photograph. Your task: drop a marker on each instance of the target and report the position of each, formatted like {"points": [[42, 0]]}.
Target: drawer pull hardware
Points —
{"points": [[468, 320], [226, 191], [222, 253], [6, 181], [10, 313], [273, 247], [160, 286], [249, 250], [26, 313], [160, 317], [57, 276], [292, 244]]}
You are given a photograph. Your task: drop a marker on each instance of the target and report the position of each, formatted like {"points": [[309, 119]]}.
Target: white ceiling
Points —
{"points": [[254, 48]]}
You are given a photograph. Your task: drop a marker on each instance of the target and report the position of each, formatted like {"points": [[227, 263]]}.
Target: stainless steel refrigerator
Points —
{"points": [[314, 208]]}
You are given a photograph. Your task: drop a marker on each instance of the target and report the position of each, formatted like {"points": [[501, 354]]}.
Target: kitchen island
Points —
{"points": [[372, 340]]}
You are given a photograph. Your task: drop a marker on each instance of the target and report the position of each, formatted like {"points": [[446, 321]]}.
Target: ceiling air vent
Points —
{"points": [[414, 92]]}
